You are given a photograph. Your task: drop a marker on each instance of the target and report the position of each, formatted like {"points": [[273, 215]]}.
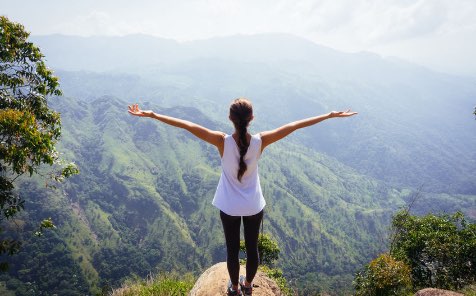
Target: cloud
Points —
{"points": [[93, 23], [397, 27], [101, 23], [345, 24], [367, 23]]}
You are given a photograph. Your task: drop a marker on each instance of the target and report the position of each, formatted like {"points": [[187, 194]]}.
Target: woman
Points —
{"points": [[238, 195]]}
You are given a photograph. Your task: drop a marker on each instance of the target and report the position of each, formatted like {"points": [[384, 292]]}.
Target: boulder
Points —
{"points": [[214, 281]]}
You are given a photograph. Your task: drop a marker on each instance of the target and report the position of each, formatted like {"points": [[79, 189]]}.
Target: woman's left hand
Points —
{"points": [[342, 113], [136, 111]]}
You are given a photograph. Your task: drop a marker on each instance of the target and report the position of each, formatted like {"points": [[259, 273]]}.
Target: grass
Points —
{"points": [[163, 284], [469, 290]]}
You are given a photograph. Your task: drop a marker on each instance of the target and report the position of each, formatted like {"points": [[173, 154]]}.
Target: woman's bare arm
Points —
{"points": [[275, 135], [215, 138]]}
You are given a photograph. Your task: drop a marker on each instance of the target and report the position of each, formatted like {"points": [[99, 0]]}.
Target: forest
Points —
{"points": [[141, 202]]}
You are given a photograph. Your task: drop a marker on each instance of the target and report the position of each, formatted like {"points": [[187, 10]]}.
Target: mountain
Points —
{"points": [[415, 126], [142, 202], [108, 53]]}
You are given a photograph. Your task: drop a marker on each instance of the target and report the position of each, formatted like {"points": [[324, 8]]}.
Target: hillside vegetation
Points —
{"points": [[142, 203], [435, 251]]}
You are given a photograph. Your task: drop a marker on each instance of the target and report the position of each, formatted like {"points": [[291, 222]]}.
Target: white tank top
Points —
{"points": [[237, 198]]}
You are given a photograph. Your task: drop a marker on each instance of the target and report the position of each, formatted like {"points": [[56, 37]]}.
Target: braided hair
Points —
{"points": [[241, 113]]}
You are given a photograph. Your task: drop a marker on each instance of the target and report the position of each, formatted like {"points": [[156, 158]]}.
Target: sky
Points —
{"points": [[439, 34]]}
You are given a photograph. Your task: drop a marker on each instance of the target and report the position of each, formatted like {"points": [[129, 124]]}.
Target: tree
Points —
{"points": [[383, 276], [29, 129], [433, 251], [268, 250], [440, 249]]}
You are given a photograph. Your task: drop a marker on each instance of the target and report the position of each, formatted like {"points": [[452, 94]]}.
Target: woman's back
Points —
{"points": [[235, 197]]}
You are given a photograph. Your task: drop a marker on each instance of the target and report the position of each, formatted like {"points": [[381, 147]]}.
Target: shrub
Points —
{"points": [[165, 284], [441, 250], [267, 248], [268, 253], [277, 275], [383, 276]]}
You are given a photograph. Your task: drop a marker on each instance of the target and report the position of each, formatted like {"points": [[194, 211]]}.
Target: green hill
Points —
{"points": [[142, 203]]}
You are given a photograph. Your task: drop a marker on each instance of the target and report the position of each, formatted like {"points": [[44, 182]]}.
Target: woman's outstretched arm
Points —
{"points": [[272, 136], [215, 138]]}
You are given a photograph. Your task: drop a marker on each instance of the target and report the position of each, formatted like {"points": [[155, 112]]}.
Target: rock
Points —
{"points": [[436, 292], [214, 281]]}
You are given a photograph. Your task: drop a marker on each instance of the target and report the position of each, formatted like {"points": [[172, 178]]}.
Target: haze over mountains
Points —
{"points": [[412, 115], [143, 199]]}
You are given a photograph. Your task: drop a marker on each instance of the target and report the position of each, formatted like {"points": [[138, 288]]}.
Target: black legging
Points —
{"points": [[231, 227]]}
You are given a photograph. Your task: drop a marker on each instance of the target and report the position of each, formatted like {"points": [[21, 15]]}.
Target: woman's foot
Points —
{"points": [[233, 291], [246, 288]]}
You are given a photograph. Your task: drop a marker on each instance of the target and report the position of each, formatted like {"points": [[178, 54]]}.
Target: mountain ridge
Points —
{"points": [[142, 202], [270, 47], [400, 104], [399, 126]]}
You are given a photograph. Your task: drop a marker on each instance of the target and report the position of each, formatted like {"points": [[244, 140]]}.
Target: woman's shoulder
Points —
{"points": [[256, 136]]}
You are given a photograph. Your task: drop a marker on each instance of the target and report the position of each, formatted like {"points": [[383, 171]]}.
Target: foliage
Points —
{"points": [[143, 200], [469, 290], [46, 223], [29, 129], [277, 275], [440, 249], [268, 249], [427, 251], [44, 265], [383, 276], [164, 284], [142, 203]]}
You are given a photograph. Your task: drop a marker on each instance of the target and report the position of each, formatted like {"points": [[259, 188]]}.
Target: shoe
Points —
{"points": [[231, 292], [247, 291]]}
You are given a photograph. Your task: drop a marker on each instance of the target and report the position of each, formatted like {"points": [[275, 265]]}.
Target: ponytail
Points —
{"points": [[243, 145], [241, 112]]}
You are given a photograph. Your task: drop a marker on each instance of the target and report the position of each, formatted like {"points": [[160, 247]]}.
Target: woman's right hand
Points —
{"points": [[136, 111]]}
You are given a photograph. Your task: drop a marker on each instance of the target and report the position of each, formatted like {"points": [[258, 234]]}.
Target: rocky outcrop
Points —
{"points": [[214, 281], [436, 292]]}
